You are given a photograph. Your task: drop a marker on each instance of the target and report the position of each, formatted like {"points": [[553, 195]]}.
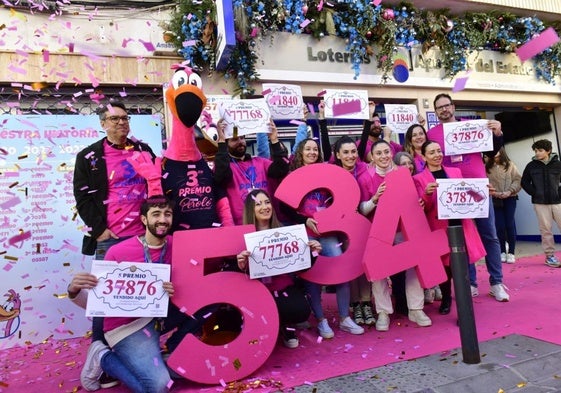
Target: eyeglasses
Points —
{"points": [[446, 106], [117, 119]]}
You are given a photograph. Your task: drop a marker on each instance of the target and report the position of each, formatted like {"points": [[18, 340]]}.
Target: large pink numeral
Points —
{"points": [[340, 217], [193, 290], [422, 248]]}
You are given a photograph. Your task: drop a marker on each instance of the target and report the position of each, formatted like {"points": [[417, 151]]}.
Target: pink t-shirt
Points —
{"points": [[126, 192], [470, 164], [364, 180], [246, 175], [419, 163]]}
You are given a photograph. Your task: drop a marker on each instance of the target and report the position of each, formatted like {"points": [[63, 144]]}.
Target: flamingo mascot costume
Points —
{"points": [[185, 176]]}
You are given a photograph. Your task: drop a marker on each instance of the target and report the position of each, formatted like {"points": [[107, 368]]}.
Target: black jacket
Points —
{"points": [[541, 181], [90, 190]]}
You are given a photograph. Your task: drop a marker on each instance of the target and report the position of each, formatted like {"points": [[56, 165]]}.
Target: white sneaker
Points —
{"points": [[420, 318], [437, 293], [503, 257], [383, 322], [474, 291], [510, 258], [348, 325], [429, 295], [89, 376], [498, 291], [324, 329]]}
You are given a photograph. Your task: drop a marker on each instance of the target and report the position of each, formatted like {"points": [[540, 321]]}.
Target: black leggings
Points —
{"points": [[292, 305]]}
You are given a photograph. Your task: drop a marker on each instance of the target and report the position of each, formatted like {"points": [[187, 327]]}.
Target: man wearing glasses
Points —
{"points": [[109, 194], [472, 166], [107, 190]]}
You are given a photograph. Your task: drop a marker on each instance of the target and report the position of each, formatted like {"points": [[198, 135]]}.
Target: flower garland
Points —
{"points": [[363, 26]]}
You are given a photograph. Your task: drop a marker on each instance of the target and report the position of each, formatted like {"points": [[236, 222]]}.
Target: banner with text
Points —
{"points": [[41, 234]]}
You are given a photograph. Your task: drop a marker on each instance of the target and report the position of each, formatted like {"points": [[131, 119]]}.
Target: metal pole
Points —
{"points": [[464, 305]]}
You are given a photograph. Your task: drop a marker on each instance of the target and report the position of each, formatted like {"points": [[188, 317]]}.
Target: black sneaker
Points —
{"points": [[358, 317], [289, 338], [106, 381]]}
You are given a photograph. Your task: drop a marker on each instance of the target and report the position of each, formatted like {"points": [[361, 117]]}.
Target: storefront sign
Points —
{"points": [[296, 58]]}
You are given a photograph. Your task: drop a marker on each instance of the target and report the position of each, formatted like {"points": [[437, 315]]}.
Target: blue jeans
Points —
{"points": [[506, 227], [488, 234], [136, 361], [330, 248]]}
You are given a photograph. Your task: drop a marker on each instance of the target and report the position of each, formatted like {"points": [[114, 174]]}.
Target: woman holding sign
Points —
{"points": [[308, 152], [382, 158], [427, 183], [290, 299], [346, 156]]}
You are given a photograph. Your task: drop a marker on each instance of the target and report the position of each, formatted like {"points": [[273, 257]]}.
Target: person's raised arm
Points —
{"points": [[361, 148], [324, 133], [222, 171], [279, 167], [302, 131]]}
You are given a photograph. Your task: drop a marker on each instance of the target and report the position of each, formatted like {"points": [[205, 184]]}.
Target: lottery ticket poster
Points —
{"points": [[278, 251], [212, 103], [128, 289], [346, 104], [462, 198], [285, 101], [463, 137], [246, 116], [400, 117]]}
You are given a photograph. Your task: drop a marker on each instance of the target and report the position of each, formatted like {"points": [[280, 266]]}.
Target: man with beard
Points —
{"points": [[239, 173], [371, 133], [472, 166], [108, 193], [133, 355]]}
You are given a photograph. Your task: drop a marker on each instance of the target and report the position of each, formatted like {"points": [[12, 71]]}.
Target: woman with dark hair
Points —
{"points": [[292, 305], [404, 158], [427, 183], [308, 152], [382, 158], [346, 156], [415, 136], [505, 178]]}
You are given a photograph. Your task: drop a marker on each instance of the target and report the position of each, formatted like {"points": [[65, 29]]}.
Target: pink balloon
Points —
{"points": [[340, 217], [211, 364]]}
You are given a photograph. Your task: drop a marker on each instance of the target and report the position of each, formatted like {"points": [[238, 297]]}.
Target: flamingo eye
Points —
{"points": [[195, 80], [179, 78]]}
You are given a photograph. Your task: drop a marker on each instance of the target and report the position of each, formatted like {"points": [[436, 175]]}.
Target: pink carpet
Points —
{"points": [[534, 309]]}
